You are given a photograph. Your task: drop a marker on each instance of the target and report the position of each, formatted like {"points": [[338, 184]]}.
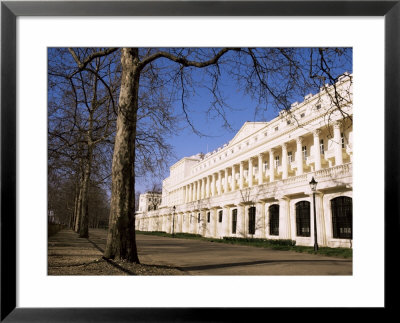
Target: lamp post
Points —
{"points": [[173, 220], [313, 185]]}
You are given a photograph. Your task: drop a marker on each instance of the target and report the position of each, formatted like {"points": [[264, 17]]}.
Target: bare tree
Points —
{"points": [[154, 197], [82, 119]]}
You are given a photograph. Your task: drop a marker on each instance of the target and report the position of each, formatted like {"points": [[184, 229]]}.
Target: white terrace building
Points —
{"points": [[257, 185]]}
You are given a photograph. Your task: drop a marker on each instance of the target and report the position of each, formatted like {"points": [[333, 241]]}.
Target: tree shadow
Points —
{"points": [[258, 262]]}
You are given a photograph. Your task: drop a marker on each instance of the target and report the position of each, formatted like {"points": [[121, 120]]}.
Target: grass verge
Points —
{"points": [[276, 244]]}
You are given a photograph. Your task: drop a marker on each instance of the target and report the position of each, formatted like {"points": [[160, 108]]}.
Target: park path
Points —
{"points": [[213, 258], [201, 257], [70, 255]]}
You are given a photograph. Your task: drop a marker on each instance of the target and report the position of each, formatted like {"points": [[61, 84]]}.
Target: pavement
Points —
{"points": [[212, 258], [197, 257]]}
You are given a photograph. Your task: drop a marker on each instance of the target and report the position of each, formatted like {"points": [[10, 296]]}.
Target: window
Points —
{"points": [[288, 122], [342, 139], [277, 161], [265, 133], [302, 115], [265, 166], [276, 128], [321, 146], [290, 157], [342, 217], [208, 217], [198, 218], [304, 150], [318, 106], [234, 220], [220, 216], [252, 220], [303, 219], [274, 220]]}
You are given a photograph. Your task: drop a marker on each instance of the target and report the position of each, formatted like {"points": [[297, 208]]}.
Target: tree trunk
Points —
{"points": [[84, 228], [78, 210], [84, 223], [73, 219], [121, 240]]}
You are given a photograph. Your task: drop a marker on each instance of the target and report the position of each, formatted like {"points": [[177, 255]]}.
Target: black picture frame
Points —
{"points": [[10, 10]]}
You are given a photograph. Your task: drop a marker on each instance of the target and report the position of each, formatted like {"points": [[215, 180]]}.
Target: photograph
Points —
{"points": [[200, 161]]}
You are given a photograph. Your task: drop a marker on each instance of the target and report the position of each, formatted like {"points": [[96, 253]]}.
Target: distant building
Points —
{"points": [[257, 185], [149, 201]]}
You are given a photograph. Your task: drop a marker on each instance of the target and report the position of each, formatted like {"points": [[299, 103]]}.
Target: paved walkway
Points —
{"points": [[211, 258]]}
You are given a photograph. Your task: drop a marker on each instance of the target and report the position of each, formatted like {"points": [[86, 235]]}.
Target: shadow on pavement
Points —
{"points": [[258, 262]]}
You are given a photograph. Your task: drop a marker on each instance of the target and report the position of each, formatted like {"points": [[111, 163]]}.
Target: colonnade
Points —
{"points": [[261, 169], [207, 221]]}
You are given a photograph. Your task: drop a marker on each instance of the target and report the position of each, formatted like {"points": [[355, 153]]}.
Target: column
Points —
{"points": [[203, 222], [198, 189], [241, 175], [219, 182], [241, 225], [299, 157], [271, 165], [233, 180], [337, 140], [194, 191], [215, 219], [284, 161], [208, 186], [260, 173], [260, 219], [203, 188], [317, 153], [284, 218], [319, 210], [190, 222], [227, 221], [184, 194], [250, 176], [213, 185], [226, 187]]}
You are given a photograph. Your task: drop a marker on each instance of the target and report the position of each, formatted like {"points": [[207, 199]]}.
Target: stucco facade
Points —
{"points": [[257, 185]]}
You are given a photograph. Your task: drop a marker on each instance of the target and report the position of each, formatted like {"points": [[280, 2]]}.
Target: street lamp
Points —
{"points": [[173, 220], [313, 185]]}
